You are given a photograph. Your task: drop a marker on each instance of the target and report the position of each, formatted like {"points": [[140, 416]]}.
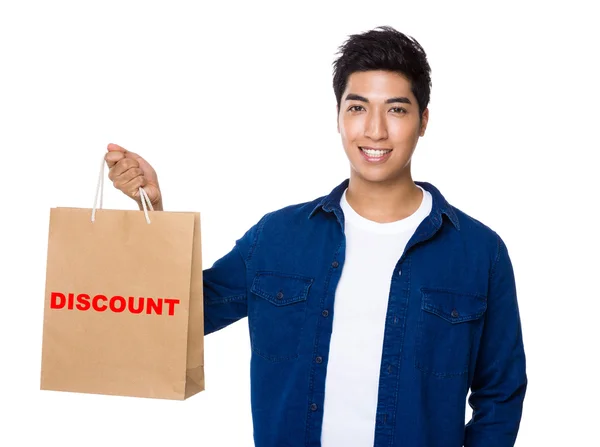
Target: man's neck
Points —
{"points": [[384, 202]]}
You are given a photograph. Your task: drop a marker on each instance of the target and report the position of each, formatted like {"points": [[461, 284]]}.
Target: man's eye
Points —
{"points": [[398, 109], [355, 108]]}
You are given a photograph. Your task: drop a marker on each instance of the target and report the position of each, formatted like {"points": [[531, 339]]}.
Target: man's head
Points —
{"points": [[382, 85]]}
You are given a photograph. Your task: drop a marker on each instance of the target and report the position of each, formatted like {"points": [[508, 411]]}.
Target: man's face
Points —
{"points": [[379, 112]]}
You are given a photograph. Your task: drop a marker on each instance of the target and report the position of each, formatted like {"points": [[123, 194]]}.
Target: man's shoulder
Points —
{"points": [[471, 223], [293, 213], [461, 219], [474, 231], [300, 212]]}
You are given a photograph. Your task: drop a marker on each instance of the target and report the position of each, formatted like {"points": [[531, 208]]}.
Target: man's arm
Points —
{"points": [[500, 381], [225, 285]]}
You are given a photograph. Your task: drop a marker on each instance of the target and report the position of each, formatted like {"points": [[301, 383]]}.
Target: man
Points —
{"points": [[374, 309]]}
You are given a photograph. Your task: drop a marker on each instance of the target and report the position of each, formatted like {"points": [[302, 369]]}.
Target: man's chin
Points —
{"points": [[381, 177]]}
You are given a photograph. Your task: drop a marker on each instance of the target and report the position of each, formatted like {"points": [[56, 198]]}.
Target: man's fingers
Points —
{"points": [[112, 158], [121, 167], [131, 187], [128, 175]]}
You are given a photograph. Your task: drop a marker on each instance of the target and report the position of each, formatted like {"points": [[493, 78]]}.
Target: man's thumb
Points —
{"points": [[116, 148]]}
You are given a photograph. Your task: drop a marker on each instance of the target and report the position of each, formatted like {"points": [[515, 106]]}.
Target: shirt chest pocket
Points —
{"points": [[277, 314], [449, 321]]}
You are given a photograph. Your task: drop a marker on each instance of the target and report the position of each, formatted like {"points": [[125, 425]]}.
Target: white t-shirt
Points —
{"points": [[361, 300]]}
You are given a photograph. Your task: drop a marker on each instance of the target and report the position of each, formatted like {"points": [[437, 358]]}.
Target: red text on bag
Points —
{"points": [[101, 303]]}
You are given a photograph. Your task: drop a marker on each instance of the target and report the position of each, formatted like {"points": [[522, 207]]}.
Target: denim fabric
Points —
{"points": [[452, 325]]}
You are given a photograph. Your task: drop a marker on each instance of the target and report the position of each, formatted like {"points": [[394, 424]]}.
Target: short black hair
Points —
{"points": [[384, 48]]}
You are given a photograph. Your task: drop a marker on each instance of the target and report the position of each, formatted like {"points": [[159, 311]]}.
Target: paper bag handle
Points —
{"points": [[100, 192]]}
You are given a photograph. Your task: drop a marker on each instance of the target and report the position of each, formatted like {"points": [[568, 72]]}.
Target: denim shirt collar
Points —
{"points": [[440, 207]]}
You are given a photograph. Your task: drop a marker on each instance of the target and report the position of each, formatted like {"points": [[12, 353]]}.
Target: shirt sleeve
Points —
{"points": [[500, 380], [225, 284]]}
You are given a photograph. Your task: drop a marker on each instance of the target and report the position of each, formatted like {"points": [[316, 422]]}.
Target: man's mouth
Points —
{"points": [[374, 152], [375, 155]]}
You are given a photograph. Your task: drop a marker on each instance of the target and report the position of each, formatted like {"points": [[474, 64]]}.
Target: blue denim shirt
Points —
{"points": [[452, 325]]}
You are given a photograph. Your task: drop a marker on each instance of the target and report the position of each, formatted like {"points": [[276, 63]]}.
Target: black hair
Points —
{"points": [[384, 48]]}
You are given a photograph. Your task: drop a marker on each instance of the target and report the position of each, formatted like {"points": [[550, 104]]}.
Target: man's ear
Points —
{"points": [[337, 117], [424, 121]]}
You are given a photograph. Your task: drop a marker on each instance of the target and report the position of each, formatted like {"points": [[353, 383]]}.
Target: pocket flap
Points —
{"points": [[452, 306], [281, 289]]}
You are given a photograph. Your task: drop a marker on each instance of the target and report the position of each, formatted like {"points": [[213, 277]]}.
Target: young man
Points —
{"points": [[374, 309]]}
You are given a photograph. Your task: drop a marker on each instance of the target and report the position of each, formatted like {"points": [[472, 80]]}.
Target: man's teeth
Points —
{"points": [[375, 152]]}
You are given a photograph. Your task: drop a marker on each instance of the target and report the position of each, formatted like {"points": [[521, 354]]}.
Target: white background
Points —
{"points": [[232, 104]]}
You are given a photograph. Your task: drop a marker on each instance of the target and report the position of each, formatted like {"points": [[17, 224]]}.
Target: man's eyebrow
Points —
{"points": [[402, 99], [355, 97]]}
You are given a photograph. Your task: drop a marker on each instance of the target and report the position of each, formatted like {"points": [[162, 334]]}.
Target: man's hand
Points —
{"points": [[128, 172]]}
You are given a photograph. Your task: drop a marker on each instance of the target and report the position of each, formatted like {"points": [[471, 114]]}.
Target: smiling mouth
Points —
{"points": [[374, 153]]}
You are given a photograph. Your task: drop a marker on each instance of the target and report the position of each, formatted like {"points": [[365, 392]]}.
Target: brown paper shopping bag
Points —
{"points": [[123, 308]]}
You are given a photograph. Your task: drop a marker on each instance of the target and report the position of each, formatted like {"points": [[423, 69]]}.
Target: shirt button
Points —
{"points": [[325, 313], [399, 272], [313, 407], [319, 359], [335, 264], [455, 313], [280, 295]]}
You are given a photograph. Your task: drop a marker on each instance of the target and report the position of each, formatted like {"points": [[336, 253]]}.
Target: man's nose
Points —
{"points": [[376, 126]]}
